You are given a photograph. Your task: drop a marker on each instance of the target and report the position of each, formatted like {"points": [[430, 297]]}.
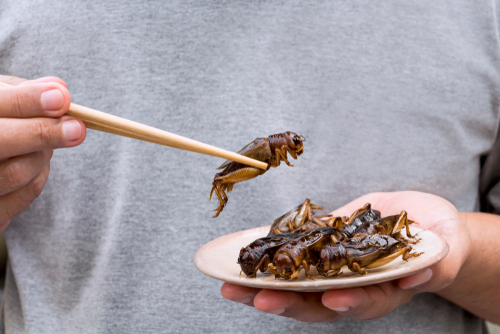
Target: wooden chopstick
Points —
{"points": [[122, 133], [100, 121]]}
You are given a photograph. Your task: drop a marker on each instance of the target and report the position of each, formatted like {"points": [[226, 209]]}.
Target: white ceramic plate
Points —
{"points": [[218, 258]]}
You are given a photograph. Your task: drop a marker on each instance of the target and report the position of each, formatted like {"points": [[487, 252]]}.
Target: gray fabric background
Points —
{"points": [[390, 95]]}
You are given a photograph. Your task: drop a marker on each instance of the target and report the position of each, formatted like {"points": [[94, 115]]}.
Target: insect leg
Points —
{"points": [[332, 273], [280, 156], [316, 207], [239, 175], [405, 251], [272, 269], [219, 210], [306, 269], [396, 231], [221, 201], [318, 222], [334, 238], [367, 206], [276, 231], [328, 222], [407, 255], [338, 223], [356, 267], [214, 187], [262, 264], [223, 188], [304, 212], [295, 273], [402, 220], [289, 150], [283, 155]]}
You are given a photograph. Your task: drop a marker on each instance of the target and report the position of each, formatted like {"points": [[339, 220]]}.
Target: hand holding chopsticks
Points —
{"points": [[104, 122]]}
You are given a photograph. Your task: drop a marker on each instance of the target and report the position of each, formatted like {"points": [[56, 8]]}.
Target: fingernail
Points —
{"points": [[424, 277], [72, 130], [340, 309], [277, 311], [244, 300], [52, 100]]}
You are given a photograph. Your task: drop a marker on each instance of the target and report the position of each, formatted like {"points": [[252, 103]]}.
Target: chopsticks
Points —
{"points": [[100, 121]]}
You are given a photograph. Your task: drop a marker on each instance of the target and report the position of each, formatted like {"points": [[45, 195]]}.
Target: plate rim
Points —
{"points": [[316, 285]]}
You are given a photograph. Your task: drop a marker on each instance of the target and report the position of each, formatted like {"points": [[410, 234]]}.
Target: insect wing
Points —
{"points": [[311, 237], [280, 222], [278, 240], [388, 223], [258, 149]]}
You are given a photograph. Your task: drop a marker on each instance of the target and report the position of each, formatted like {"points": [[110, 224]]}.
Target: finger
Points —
{"points": [[435, 278], [14, 81], [445, 271], [23, 136], [11, 80], [416, 281], [306, 307], [49, 99], [17, 201], [368, 302], [16, 172], [45, 79], [239, 293]]}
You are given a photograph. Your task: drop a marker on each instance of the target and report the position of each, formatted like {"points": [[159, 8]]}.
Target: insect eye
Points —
{"points": [[320, 265], [288, 269], [296, 141], [249, 263]]}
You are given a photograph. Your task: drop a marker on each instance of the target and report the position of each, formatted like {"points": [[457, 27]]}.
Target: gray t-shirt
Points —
{"points": [[391, 95]]}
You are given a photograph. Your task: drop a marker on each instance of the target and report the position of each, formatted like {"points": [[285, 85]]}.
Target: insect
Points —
{"points": [[294, 219], [361, 253], [348, 226], [309, 247], [390, 225], [270, 150], [359, 218], [298, 253], [260, 253], [374, 243]]}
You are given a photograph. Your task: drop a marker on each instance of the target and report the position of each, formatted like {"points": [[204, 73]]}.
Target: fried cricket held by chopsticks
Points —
{"points": [[270, 150]]}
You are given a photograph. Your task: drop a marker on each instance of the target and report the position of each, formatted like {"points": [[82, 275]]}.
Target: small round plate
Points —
{"points": [[218, 258]]}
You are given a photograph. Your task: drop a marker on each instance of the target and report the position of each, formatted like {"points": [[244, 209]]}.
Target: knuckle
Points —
{"points": [[16, 101], [42, 132], [14, 81], [447, 278], [13, 176], [36, 187]]}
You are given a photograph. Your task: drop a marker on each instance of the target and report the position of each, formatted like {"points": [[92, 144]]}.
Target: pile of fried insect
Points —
{"points": [[299, 240]]}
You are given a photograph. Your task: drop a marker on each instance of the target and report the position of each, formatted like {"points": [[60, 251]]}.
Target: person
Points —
{"points": [[399, 105]]}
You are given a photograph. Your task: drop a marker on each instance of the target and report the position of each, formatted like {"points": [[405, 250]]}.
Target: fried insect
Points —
{"points": [[305, 251], [374, 243], [302, 251], [298, 253], [390, 225], [347, 226], [294, 219], [270, 150], [358, 219], [260, 253], [361, 253]]}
